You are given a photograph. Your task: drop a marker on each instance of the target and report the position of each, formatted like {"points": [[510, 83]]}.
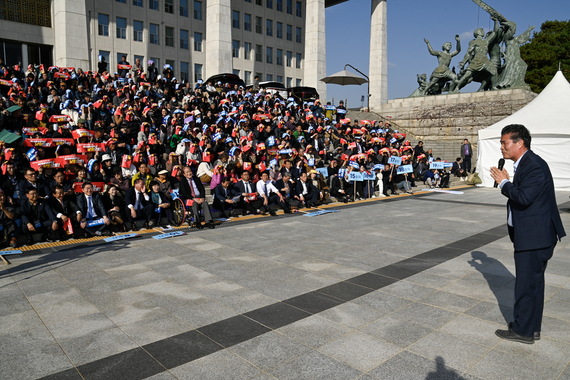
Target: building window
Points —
{"points": [[269, 25], [197, 41], [171, 63], [247, 50], [153, 30], [269, 54], [197, 72], [138, 3], [103, 24], [258, 54], [280, 5], [198, 16], [269, 77], [289, 32], [137, 31], [298, 9], [270, 4], [122, 28], [289, 82], [248, 1], [280, 78], [247, 77], [289, 7], [140, 58], [258, 75], [297, 82], [279, 56], [298, 60], [121, 1], [120, 58], [279, 30], [169, 6], [184, 71], [289, 58], [184, 8], [156, 62], [183, 39], [235, 49], [258, 2], [298, 35], [235, 19], [247, 22], [153, 4], [235, 72], [169, 36], [258, 25]]}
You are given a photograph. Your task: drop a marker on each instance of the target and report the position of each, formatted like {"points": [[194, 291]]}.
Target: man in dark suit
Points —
{"points": [[37, 217], [306, 192], [31, 181], [139, 204], [63, 209], [251, 203], [191, 189], [466, 154], [287, 189], [341, 189], [90, 209], [271, 194], [224, 195], [534, 227]]}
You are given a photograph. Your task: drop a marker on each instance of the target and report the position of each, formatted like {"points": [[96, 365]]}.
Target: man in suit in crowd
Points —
{"points": [[32, 181], [90, 208], [306, 191], [341, 189], [37, 217], [139, 204], [224, 195], [287, 189], [191, 189], [251, 203], [271, 194], [534, 226], [63, 209], [466, 154]]}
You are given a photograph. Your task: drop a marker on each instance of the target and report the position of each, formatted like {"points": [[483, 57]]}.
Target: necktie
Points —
{"points": [[265, 189], [89, 208], [138, 202], [192, 188], [247, 190]]}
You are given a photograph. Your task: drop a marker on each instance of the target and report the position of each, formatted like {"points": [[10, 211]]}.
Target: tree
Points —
{"points": [[545, 51]]}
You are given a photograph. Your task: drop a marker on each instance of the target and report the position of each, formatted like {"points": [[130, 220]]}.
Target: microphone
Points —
{"points": [[500, 167]]}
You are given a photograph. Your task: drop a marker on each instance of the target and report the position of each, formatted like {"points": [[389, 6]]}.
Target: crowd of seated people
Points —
{"points": [[94, 153]]}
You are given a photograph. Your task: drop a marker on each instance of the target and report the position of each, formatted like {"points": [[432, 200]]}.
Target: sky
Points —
{"points": [[409, 22]]}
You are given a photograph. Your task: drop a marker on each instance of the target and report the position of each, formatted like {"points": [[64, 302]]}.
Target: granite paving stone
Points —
{"points": [[315, 366], [396, 331]]}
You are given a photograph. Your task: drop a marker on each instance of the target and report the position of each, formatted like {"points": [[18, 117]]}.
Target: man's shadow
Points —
{"points": [[481, 260], [442, 372]]}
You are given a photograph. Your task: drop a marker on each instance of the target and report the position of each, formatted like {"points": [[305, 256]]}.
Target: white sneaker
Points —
{"points": [[374, 196]]}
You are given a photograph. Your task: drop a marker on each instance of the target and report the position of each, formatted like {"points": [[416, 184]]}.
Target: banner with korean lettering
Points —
{"points": [[355, 176], [395, 160], [44, 164], [97, 186], [90, 147], [80, 159], [82, 132], [405, 169]]}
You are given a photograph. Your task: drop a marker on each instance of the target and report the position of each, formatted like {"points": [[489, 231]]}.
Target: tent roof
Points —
{"points": [[547, 114]]}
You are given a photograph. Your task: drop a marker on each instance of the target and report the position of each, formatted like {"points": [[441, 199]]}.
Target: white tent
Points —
{"points": [[547, 118]]}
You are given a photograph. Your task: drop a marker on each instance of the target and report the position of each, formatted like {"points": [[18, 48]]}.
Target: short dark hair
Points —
{"points": [[58, 187], [517, 132], [85, 184], [225, 179], [458, 159]]}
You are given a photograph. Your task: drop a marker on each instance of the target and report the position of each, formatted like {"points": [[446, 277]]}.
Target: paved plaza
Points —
{"points": [[411, 287]]}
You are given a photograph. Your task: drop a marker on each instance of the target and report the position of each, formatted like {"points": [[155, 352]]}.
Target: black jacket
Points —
{"points": [[43, 212], [184, 189], [98, 206]]}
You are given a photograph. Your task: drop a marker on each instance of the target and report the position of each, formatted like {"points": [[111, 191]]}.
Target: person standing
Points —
{"points": [[534, 226], [466, 154]]}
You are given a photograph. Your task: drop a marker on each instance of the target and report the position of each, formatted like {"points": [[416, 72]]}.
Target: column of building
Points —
{"points": [[218, 37], [315, 65], [378, 72], [70, 32]]}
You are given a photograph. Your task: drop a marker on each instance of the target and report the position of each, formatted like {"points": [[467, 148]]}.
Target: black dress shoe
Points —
{"points": [[511, 335], [199, 225], [535, 335], [272, 213], [211, 225]]}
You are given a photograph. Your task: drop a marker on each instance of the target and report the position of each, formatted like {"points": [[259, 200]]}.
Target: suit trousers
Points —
{"points": [[144, 213], [274, 198], [196, 207], [529, 289]]}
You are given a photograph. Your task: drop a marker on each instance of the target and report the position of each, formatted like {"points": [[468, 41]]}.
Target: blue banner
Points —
{"points": [[10, 252], [355, 176], [405, 169], [436, 165], [369, 177], [168, 235], [323, 171], [120, 237], [395, 160], [95, 222], [379, 167]]}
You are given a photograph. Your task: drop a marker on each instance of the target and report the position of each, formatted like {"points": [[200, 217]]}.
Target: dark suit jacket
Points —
{"points": [[240, 187], [68, 208], [43, 190], [131, 198], [281, 184], [222, 195], [310, 188], [98, 206], [335, 184], [535, 215], [44, 212], [186, 193], [470, 150]]}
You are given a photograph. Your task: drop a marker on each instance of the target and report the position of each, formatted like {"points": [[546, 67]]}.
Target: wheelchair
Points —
{"points": [[181, 212]]}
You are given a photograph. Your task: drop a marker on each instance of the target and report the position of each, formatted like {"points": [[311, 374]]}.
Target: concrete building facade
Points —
{"points": [[277, 40]]}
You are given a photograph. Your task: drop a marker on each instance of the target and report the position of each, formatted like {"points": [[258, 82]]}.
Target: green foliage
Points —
{"points": [[547, 48]]}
